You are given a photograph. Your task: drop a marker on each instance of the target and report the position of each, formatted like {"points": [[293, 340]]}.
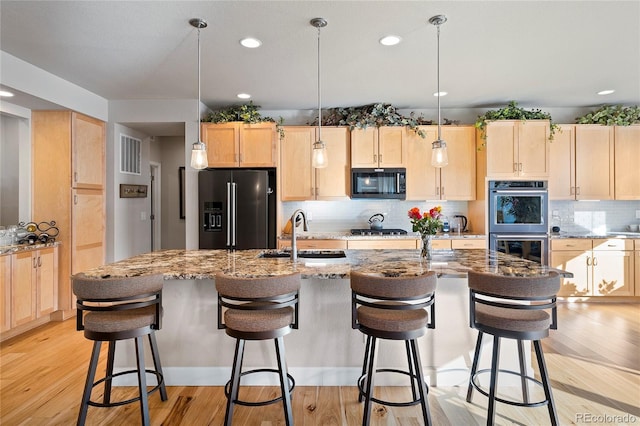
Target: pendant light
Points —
{"points": [[439, 157], [199, 150], [319, 158]]}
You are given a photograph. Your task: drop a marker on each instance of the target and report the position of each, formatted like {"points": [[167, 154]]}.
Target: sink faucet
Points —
{"points": [[294, 218]]}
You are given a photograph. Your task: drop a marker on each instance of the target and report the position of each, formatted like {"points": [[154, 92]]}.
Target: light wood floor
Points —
{"points": [[593, 360]]}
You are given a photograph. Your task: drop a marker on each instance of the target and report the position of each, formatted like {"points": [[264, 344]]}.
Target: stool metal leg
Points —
{"points": [[142, 381], [545, 382], [523, 372], [284, 381], [364, 365], [156, 363], [235, 381], [494, 381], [424, 401], [474, 365], [91, 374], [411, 373], [371, 368], [109, 373]]}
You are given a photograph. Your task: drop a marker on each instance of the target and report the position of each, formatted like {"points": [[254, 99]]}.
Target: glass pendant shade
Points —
{"points": [[319, 157], [439, 157], [199, 156]]}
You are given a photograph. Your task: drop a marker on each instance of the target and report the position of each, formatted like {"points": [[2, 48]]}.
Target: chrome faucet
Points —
{"points": [[294, 225]]}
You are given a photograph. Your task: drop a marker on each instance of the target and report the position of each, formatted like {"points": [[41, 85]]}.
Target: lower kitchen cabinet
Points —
{"points": [[308, 244], [600, 267], [383, 243], [636, 261], [5, 292], [459, 244]]}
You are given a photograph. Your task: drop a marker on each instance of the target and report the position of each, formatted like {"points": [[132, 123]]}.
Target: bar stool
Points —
{"points": [[258, 309], [520, 308], [113, 309], [393, 308]]}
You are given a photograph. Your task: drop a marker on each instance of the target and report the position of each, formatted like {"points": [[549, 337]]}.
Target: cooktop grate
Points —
{"points": [[367, 231]]}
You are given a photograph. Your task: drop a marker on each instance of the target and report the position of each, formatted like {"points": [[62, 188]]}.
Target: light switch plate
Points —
{"points": [[637, 214]]}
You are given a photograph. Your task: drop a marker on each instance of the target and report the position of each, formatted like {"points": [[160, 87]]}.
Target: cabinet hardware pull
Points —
{"points": [[588, 260], [595, 261], [437, 190], [241, 158], [380, 158], [375, 158], [442, 191], [75, 199], [39, 261], [520, 166], [75, 176], [515, 167], [33, 259]]}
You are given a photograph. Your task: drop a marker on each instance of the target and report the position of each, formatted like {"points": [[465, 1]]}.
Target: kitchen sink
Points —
{"points": [[305, 254]]}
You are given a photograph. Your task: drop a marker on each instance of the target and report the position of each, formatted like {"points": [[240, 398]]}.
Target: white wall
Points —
{"points": [[172, 227]]}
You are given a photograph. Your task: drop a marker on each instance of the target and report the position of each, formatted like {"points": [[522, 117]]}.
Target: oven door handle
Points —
{"points": [[519, 237], [520, 191]]}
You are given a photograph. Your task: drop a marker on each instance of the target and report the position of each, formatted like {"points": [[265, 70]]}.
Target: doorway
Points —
{"points": [[155, 198]]}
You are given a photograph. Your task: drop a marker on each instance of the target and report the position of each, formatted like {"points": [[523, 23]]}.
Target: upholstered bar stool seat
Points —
{"points": [[113, 309], [519, 308], [393, 308], [258, 309]]}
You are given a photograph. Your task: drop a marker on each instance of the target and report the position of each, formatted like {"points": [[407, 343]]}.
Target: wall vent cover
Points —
{"points": [[129, 155]]}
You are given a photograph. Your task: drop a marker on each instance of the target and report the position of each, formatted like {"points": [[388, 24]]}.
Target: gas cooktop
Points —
{"points": [[368, 231]]}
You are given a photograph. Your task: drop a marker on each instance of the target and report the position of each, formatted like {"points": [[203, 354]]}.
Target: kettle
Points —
{"points": [[375, 221], [463, 222]]}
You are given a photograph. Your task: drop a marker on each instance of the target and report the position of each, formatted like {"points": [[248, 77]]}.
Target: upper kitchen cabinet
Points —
{"points": [[68, 151], [562, 169], [517, 149], [240, 145], [627, 162], [594, 156], [378, 147], [299, 180], [457, 180]]}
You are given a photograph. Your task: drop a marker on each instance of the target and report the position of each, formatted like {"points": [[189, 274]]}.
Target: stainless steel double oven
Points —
{"points": [[518, 212]]}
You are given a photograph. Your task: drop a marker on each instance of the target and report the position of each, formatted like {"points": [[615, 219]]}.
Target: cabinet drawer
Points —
{"points": [[440, 244], [382, 244], [612, 244], [476, 243], [571, 244], [314, 244]]}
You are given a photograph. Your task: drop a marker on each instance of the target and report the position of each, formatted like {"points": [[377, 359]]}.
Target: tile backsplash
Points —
{"points": [[593, 217]]}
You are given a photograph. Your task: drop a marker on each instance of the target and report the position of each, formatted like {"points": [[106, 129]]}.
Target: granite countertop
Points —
{"points": [[347, 236], [204, 264], [15, 248], [608, 235]]}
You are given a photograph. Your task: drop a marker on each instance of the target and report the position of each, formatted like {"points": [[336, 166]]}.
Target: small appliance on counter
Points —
{"points": [[460, 222], [375, 221]]}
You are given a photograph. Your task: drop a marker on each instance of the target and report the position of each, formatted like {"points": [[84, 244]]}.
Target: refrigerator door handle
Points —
{"points": [[228, 213], [235, 212]]}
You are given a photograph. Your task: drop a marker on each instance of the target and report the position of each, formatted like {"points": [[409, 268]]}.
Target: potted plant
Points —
{"points": [[513, 112], [612, 115]]}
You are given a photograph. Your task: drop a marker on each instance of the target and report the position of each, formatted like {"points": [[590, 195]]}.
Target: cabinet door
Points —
{"points": [[391, 146], [47, 281], [613, 273], [594, 162], [364, 148], [222, 142], [88, 231], [561, 164], [258, 145], [469, 243], [533, 148], [306, 244], [458, 178], [296, 173], [627, 162], [88, 150], [334, 181], [23, 288], [501, 140], [636, 262], [5, 293], [422, 182], [576, 263]]}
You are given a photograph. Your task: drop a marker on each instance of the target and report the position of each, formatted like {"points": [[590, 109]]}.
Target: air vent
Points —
{"points": [[129, 155]]}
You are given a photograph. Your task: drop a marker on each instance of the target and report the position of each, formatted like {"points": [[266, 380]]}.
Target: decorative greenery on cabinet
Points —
{"points": [[513, 112], [247, 113], [612, 115]]}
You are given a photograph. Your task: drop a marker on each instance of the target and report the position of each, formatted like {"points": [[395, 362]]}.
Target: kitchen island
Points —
{"points": [[325, 350]]}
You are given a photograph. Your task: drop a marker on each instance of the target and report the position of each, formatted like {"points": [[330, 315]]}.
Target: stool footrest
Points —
{"points": [[506, 401], [159, 378], [391, 403], [227, 386]]}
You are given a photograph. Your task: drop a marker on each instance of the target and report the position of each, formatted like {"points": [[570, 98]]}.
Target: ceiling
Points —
{"points": [[539, 53]]}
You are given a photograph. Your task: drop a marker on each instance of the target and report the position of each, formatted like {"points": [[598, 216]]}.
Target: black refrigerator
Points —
{"points": [[237, 208]]}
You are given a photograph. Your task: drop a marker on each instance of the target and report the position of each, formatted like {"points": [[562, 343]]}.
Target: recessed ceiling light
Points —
{"points": [[606, 92], [5, 94], [440, 94], [244, 95], [390, 40], [251, 42]]}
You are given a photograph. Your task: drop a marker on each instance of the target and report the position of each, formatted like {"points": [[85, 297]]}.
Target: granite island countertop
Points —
{"points": [[339, 235], [204, 264]]}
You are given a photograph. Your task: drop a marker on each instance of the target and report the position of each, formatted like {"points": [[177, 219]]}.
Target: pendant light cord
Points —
{"points": [[198, 106], [438, 82], [319, 93]]}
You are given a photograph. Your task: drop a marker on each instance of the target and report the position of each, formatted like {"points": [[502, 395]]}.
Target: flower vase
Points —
{"points": [[426, 251]]}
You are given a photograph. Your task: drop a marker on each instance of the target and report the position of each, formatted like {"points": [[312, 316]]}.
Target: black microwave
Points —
{"points": [[379, 183]]}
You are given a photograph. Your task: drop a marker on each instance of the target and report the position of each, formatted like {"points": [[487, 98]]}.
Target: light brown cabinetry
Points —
{"points": [[458, 243], [315, 244], [456, 181], [378, 147], [240, 145], [594, 168], [636, 261], [517, 149], [627, 162], [299, 180], [383, 243], [68, 152], [5, 292], [600, 267]]}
